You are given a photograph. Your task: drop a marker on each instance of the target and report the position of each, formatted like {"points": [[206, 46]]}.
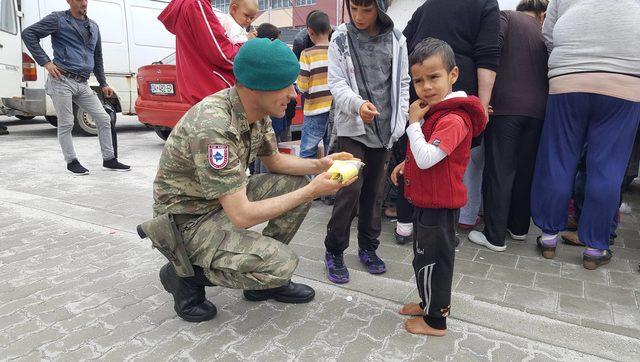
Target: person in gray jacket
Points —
{"points": [[369, 80], [77, 51]]}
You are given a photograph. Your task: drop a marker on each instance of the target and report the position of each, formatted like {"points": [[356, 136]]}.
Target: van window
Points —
{"points": [[8, 17]]}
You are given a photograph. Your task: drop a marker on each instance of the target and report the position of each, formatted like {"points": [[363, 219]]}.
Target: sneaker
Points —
{"points": [[594, 258], [114, 165], [479, 238], [548, 247], [76, 168], [402, 240], [370, 259], [337, 272], [513, 236]]}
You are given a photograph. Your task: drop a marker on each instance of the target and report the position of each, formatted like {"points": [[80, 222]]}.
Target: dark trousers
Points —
{"points": [[365, 192], [434, 245], [403, 207], [608, 126], [511, 145]]}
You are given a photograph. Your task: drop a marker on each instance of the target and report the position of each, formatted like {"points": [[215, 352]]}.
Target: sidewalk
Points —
{"points": [[79, 283]]}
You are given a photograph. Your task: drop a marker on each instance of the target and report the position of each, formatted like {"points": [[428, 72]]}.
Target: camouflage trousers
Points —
{"points": [[245, 259]]}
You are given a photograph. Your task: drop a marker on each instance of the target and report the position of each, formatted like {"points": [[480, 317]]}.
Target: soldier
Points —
{"points": [[204, 201]]}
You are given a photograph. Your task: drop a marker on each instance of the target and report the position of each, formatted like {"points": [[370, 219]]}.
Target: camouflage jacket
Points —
{"points": [[207, 155]]}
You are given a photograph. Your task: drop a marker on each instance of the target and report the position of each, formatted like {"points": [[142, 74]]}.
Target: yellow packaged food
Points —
{"points": [[345, 170]]}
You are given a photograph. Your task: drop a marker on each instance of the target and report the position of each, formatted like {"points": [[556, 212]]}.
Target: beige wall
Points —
{"points": [[280, 18]]}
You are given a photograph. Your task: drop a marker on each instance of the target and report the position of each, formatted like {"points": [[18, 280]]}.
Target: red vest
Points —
{"points": [[441, 187]]}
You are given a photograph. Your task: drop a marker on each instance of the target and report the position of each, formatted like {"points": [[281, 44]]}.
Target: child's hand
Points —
{"points": [[368, 112], [417, 111], [398, 170]]}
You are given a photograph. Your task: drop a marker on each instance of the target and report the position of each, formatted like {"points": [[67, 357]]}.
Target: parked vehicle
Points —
{"points": [[10, 53], [159, 104], [131, 37]]}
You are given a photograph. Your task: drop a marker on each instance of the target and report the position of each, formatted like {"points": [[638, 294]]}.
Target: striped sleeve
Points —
{"points": [[303, 77]]}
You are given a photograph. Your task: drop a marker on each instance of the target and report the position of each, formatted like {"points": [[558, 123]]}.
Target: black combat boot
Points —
{"points": [[188, 293], [288, 293]]}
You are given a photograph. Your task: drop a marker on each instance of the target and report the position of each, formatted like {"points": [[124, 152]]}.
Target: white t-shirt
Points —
{"points": [[233, 30]]}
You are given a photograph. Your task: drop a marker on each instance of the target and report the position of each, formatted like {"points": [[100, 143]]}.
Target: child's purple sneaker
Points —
{"points": [[337, 272], [548, 247], [374, 264], [594, 258]]}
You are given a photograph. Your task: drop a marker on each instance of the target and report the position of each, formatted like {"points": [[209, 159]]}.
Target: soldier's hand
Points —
{"points": [[326, 162], [53, 70], [323, 185]]}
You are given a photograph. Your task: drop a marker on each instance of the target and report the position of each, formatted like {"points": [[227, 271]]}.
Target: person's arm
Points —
{"points": [[487, 51], [504, 28], [425, 154], [98, 64], [31, 37], [209, 34], [291, 165], [412, 26], [345, 99], [405, 84], [550, 19], [447, 135], [245, 214], [303, 77]]}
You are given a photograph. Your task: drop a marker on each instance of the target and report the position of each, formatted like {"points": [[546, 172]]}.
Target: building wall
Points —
{"points": [[328, 6]]}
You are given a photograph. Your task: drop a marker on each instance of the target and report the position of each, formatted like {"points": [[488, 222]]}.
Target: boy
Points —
{"points": [[312, 81], [241, 14], [442, 124], [369, 81]]}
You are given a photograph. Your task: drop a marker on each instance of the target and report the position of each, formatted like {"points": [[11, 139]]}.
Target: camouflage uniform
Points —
{"points": [[190, 181]]}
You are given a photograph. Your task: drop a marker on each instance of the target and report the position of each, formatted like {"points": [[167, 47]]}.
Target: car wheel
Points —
{"points": [[25, 118], [83, 123], [162, 132], [53, 120]]}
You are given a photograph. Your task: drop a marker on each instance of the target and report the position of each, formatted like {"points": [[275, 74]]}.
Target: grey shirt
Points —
{"points": [[375, 56]]}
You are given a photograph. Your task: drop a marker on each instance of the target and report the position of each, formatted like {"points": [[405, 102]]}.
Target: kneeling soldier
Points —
{"points": [[204, 200]]}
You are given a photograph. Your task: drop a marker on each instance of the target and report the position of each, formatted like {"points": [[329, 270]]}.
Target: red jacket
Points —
{"points": [[204, 54], [441, 187]]}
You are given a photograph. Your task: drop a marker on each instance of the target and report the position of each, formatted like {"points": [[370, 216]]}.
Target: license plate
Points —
{"points": [[161, 89]]}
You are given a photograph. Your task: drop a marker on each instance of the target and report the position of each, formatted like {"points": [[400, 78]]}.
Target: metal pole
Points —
{"points": [[337, 12], [269, 11]]}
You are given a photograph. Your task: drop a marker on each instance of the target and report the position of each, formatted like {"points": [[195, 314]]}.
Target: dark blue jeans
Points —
{"points": [[608, 125], [314, 130]]}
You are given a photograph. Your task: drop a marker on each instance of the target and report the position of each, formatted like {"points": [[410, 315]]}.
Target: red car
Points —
{"points": [[159, 104]]}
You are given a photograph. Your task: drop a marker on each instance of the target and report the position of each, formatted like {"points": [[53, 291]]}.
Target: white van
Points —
{"points": [[10, 53], [131, 37]]}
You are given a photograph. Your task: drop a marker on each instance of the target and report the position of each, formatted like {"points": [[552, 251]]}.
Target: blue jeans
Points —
{"points": [[314, 130], [608, 125]]}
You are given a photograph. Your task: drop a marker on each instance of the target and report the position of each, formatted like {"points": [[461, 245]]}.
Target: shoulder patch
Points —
{"points": [[218, 155]]}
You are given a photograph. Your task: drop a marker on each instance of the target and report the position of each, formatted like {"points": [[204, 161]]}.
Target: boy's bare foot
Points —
{"points": [[412, 309], [419, 326]]}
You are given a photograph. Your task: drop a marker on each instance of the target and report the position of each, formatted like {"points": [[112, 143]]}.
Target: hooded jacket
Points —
{"points": [[344, 86], [204, 54], [441, 187]]}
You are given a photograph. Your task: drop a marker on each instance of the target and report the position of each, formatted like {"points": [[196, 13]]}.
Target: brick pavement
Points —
{"points": [[81, 285]]}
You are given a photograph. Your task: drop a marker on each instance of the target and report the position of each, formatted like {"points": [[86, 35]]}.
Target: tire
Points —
{"points": [[162, 132], [53, 120], [25, 118], [83, 123]]}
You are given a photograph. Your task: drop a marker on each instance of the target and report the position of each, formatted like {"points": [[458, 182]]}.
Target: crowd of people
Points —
{"points": [[467, 108]]}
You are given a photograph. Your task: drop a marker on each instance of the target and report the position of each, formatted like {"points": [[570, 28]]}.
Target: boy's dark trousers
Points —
{"points": [[433, 256], [363, 197]]}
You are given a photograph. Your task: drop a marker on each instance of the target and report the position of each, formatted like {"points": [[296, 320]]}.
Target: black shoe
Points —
{"points": [[114, 165], [402, 240], [76, 168], [3, 130], [189, 298], [288, 293]]}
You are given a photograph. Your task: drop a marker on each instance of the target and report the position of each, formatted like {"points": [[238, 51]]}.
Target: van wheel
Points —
{"points": [[83, 123], [162, 132], [25, 118], [53, 120]]}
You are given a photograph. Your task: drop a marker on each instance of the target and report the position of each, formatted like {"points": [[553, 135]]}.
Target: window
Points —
{"points": [[222, 5], [306, 2], [262, 5], [280, 4], [8, 17]]}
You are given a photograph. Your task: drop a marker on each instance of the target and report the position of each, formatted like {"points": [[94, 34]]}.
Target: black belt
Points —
{"points": [[76, 77]]}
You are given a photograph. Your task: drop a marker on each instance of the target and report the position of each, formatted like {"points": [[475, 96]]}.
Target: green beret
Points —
{"points": [[265, 65]]}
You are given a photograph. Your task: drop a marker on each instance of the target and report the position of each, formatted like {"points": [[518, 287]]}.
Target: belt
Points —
{"points": [[76, 77]]}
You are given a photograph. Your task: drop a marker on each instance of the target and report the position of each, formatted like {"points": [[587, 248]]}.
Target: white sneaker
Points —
{"points": [[477, 237], [517, 237]]}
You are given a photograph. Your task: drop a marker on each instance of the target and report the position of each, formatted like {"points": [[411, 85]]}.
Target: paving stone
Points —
{"points": [[343, 330], [494, 258], [29, 343], [360, 349], [512, 276], [477, 345], [626, 316], [531, 298], [489, 289], [560, 285], [577, 272], [381, 324], [506, 352], [441, 348], [471, 268], [625, 280], [585, 308], [466, 253], [395, 270], [539, 265], [613, 295], [399, 346]]}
